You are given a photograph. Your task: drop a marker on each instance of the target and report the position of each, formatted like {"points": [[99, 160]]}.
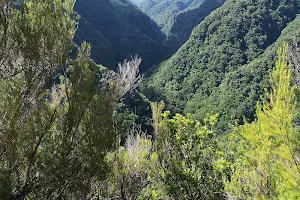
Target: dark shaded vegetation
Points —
{"points": [[133, 112], [118, 30]]}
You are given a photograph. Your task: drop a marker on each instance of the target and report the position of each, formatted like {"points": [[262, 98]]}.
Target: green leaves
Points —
{"points": [[37, 26], [130, 177], [55, 132], [268, 166], [189, 158]]}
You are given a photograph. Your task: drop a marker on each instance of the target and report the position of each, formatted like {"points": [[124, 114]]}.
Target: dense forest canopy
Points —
{"points": [[177, 18], [218, 120], [236, 34], [186, 20], [163, 12]]}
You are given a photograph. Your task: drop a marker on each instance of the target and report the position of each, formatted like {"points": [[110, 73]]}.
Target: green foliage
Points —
{"points": [[269, 165], [183, 162], [164, 12], [240, 90], [177, 18], [157, 109], [222, 67], [129, 177], [55, 132], [189, 162], [117, 30], [133, 110], [185, 21], [61, 117]]}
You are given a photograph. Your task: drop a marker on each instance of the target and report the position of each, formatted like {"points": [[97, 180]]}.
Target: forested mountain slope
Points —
{"points": [[221, 60], [118, 30], [177, 18], [70, 129], [186, 20], [164, 11]]}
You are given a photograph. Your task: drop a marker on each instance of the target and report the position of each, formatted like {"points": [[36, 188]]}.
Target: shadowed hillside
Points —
{"points": [[118, 30]]}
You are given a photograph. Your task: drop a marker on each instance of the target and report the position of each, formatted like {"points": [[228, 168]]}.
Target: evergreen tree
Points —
{"points": [[268, 167], [56, 123]]}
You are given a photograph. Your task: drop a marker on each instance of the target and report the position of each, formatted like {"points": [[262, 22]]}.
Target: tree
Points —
{"points": [[157, 109], [269, 165], [56, 123], [188, 157], [129, 177]]}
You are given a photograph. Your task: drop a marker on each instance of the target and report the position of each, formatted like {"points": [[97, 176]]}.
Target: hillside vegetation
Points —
{"points": [[221, 50], [73, 129], [118, 30], [163, 12], [186, 20], [177, 18]]}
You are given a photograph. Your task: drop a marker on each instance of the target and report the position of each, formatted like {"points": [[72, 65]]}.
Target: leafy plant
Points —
{"points": [[269, 165]]}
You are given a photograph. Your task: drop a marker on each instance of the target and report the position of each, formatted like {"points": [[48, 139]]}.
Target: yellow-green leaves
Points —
{"points": [[268, 167]]}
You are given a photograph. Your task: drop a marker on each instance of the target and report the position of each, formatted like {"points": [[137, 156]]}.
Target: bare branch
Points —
{"points": [[128, 77]]}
